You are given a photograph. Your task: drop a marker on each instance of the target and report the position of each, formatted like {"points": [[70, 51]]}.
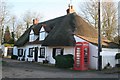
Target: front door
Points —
{"points": [[36, 54]]}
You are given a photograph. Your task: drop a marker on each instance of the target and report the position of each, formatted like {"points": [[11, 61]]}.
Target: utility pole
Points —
{"points": [[99, 37]]}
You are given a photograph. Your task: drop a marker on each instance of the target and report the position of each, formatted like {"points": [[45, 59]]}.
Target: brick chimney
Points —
{"points": [[70, 9], [35, 21]]}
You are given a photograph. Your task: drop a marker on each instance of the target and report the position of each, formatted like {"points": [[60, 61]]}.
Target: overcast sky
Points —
{"points": [[48, 8]]}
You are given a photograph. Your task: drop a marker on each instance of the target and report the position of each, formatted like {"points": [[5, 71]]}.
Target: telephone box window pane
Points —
{"points": [[86, 55]]}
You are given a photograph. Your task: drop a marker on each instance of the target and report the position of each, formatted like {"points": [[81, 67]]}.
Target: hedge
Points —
{"points": [[64, 61], [117, 56], [14, 57]]}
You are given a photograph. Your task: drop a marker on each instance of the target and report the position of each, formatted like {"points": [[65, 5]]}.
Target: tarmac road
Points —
{"points": [[20, 69]]}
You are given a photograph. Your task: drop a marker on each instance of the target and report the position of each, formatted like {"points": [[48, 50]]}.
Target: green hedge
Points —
{"points": [[64, 61], [14, 57], [117, 56]]}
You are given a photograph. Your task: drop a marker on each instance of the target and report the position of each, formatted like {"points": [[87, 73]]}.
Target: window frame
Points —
{"points": [[31, 37], [55, 52], [42, 54], [20, 52], [42, 34], [30, 52]]}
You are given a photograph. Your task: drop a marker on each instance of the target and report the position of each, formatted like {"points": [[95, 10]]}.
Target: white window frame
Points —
{"points": [[42, 34], [31, 36]]}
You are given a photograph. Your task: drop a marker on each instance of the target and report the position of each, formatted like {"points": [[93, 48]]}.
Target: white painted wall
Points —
{"points": [[27, 52], [67, 50], [93, 50], [15, 50], [108, 56], [78, 39], [5, 51]]}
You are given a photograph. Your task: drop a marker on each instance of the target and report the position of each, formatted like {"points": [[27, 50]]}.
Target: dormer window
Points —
{"points": [[31, 36], [42, 34]]}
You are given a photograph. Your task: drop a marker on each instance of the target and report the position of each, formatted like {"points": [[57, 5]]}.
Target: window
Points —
{"points": [[31, 37], [42, 53], [57, 51], [42, 34], [30, 52], [20, 52], [85, 55], [10, 51]]}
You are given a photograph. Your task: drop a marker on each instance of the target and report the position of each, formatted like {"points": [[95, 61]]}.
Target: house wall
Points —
{"points": [[48, 52], [5, 51], [27, 52], [93, 50], [67, 50], [108, 56], [15, 50]]}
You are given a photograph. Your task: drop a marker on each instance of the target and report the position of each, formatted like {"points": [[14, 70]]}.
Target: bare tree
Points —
{"points": [[13, 21], [109, 19], [3, 15], [19, 30], [90, 12], [29, 16]]}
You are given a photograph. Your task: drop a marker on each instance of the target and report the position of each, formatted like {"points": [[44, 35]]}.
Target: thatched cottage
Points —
{"points": [[59, 37]]}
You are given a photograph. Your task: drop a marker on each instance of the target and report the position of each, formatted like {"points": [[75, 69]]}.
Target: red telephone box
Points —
{"points": [[81, 57]]}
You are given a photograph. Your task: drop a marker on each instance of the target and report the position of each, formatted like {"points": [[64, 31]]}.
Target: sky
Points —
{"points": [[49, 9]]}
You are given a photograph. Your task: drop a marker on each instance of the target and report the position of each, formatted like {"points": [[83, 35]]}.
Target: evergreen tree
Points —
{"points": [[7, 35]]}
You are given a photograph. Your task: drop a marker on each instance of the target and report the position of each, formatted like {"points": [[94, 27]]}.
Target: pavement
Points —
{"points": [[20, 69]]}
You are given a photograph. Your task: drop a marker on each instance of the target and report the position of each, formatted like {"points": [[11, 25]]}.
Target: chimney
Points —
{"points": [[35, 21], [70, 9]]}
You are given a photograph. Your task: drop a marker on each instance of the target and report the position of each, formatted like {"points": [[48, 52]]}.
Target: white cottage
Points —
{"points": [[59, 36]]}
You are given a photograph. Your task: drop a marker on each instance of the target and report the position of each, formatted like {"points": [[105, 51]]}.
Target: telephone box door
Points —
{"points": [[77, 57], [81, 57]]}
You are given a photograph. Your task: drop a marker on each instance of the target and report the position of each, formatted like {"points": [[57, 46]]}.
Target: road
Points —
{"points": [[20, 69]]}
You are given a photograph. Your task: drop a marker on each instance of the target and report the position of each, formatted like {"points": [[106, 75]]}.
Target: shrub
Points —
{"points": [[14, 57], [64, 61], [117, 65], [117, 56]]}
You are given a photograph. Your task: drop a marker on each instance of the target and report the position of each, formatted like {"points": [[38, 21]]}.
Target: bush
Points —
{"points": [[64, 61], [14, 57], [117, 56], [117, 65]]}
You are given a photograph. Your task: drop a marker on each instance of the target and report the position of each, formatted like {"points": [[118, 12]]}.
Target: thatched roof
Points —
{"points": [[105, 43], [61, 31]]}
